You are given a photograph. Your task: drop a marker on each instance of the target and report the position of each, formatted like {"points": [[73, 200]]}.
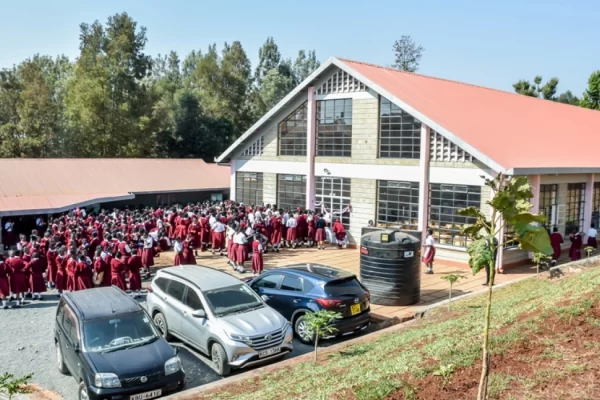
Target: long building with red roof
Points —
{"points": [[381, 147]]}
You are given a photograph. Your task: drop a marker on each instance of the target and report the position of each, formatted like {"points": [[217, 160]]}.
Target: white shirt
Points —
{"points": [[251, 218], [148, 242], [291, 223], [249, 231], [239, 238], [219, 227], [592, 233], [212, 221], [429, 241], [8, 227], [160, 224], [177, 247]]}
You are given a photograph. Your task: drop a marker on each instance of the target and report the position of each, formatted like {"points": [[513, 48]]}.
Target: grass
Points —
{"points": [[371, 370]]}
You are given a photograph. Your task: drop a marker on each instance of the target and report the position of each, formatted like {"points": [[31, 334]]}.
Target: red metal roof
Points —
{"points": [[515, 131], [55, 185]]}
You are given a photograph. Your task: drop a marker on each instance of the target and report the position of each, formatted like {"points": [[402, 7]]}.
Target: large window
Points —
{"points": [[334, 128], [398, 204], [444, 202], [596, 205], [548, 204], [333, 195], [292, 133], [249, 187], [399, 132], [291, 191], [575, 207]]}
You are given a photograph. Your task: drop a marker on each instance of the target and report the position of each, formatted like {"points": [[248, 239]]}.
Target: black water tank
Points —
{"points": [[390, 267]]}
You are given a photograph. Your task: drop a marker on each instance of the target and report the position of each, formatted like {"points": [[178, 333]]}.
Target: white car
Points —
{"points": [[219, 315]]}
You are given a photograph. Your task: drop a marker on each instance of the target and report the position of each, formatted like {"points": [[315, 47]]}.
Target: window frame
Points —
{"points": [[249, 187], [549, 192], [447, 214], [332, 138], [333, 201], [575, 205], [286, 191], [277, 285], [172, 281], [413, 207], [399, 132], [297, 278], [185, 298], [296, 143]]}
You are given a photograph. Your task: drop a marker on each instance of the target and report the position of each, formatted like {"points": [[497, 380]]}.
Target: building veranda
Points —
{"points": [[376, 145]]}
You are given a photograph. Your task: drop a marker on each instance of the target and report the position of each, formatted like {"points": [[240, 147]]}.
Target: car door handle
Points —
{"points": [[297, 300]]}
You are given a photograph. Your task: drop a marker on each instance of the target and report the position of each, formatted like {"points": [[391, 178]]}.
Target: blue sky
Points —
{"points": [[490, 43]]}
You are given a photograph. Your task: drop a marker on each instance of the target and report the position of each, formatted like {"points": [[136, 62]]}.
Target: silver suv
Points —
{"points": [[219, 315]]}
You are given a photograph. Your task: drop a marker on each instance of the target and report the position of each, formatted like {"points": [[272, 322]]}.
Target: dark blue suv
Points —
{"points": [[299, 289]]}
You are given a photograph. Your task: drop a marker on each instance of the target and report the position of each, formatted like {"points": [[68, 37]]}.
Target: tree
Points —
{"points": [[275, 87], [591, 96], [108, 105], [11, 385], [268, 58], [540, 259], [319, 323], [451, 279], [525, 88], [408, 54], [509, 205], [568, 98], [547, 91], [305, 65]]}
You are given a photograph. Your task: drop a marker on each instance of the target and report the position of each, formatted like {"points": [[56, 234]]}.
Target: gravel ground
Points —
{"points": [[28, 347]]}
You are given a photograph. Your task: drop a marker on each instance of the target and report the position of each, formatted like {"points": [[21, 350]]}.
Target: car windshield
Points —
{"points": [[232, 299], [118, 332]]}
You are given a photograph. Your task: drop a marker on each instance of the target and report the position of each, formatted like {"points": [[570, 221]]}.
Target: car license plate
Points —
{"points": [[269, 352], [146, 395], [355, 309]]}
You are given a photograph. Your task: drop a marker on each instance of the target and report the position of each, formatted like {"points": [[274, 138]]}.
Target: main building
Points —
{"points": [[405, 150]]}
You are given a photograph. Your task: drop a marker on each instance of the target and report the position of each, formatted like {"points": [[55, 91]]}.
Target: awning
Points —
{"points": [[51, 204]]}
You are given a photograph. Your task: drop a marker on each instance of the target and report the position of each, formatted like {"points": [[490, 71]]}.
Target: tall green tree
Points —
{"points": [[305, 64], [591, 96], [568, 98], [108, 105], [407, 54], [275, 87], [269, 57], [546, 91]]}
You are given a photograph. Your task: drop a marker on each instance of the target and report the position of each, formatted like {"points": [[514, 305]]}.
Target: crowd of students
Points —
{"points": [[77, 251]]}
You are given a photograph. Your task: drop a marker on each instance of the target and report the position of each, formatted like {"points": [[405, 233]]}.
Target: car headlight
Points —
{"points": [[106, 380], [172, 365], [239, 338]]}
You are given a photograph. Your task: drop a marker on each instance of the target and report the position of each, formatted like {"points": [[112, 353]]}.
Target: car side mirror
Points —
{"points": [[199, 314]]}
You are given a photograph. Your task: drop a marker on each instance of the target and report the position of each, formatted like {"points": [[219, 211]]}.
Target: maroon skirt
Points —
{"points": [[148, 257], [37, 283], [257, 262], [592, 242], [230, 251], [276, 236], [4, 287], [429, 255], [320, 235], [135, 281], [61, 280], [291, 235], [241, 253], [218, 240], [178, 259]]}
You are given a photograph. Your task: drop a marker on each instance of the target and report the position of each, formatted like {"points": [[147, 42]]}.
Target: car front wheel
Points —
{"points": [[303, 331], [60, 361], [219, 360], [83, 392], [161, 323]]}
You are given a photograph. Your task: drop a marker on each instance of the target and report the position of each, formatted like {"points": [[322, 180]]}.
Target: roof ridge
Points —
{"points": [[447, 80]]}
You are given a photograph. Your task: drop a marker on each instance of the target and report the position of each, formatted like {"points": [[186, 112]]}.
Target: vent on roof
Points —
{"points": [[255, 148], [341, 82], [443, 149]]}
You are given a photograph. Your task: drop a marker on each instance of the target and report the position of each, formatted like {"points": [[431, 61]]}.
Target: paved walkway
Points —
{"points": [[433, 289]]}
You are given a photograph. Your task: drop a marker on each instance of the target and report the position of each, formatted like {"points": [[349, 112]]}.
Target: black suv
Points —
{"points": [[110, 345]]}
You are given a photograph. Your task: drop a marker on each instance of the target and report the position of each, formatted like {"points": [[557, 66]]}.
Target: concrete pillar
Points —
{"points": [[535, 180], [311, 121], [588, 207], [232, 181], [424, 180]]}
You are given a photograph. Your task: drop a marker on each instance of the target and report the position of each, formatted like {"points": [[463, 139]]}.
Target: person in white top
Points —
{"points": [[292, 237], [240, 240], [591, 237], [429, 253]]}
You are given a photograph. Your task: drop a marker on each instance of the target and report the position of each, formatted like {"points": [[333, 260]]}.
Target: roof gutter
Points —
{"points": [[552, 171], [66, 207]]}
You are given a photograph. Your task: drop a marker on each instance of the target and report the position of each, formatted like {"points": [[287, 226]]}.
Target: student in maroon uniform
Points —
{"points": [[576, 242], [36, 268], [83, 272], [257, 256], [134, 265], [117, 272], [18, 278], [61, 270], [556, 240], [4, 283], [51, 265]]}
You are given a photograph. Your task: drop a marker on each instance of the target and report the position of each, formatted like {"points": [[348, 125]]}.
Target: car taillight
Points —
{"points": [[329, 303], [368, 294]]}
